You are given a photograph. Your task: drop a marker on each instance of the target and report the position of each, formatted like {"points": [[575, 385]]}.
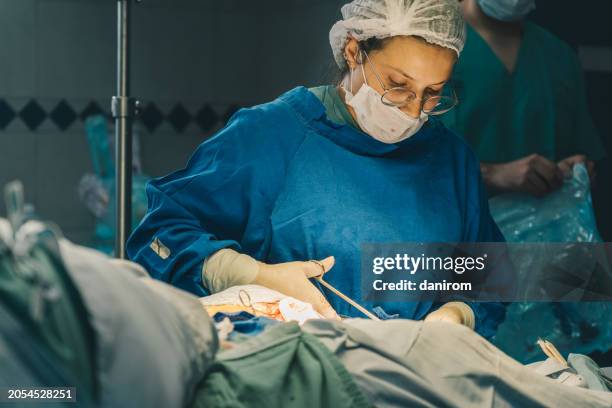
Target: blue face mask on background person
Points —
{"points": [[506, 10]]}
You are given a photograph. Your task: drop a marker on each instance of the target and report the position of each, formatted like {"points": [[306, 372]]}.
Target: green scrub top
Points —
{"points": [[539, 108], [334, 106]]}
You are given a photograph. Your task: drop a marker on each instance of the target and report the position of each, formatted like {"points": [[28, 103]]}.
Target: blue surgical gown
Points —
{"points": [[281, 183]]}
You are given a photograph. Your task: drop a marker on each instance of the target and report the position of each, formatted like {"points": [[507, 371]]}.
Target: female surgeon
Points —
{"points": [[315, 173]]}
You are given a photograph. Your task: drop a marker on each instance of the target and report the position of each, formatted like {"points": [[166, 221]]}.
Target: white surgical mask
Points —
{"points": [[387, 124], [507, 10]]}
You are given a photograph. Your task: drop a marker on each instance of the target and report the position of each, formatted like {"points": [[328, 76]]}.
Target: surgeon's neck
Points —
{"points": [[342, 94], [483, 23]]}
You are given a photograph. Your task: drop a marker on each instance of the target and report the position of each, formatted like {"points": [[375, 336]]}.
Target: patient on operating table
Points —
{"points": [[156, 345], [391, 363]]}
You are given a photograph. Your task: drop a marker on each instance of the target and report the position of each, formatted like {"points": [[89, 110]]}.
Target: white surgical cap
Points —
{"points": [[438, 22]]}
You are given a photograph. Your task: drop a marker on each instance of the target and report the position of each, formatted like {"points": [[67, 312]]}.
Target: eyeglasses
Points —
{"points": [[401, 96]]}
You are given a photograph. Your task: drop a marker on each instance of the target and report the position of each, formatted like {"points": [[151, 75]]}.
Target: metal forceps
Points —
{"points": [[342, 295]]}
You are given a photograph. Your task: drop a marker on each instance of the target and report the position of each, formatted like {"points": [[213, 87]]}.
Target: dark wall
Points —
{"points": [[586, 26], [585, 23], [189, 68], [577, 22]]}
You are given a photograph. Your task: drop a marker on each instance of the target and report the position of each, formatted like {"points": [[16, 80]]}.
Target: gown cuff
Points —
{"points": [[226, 268]]}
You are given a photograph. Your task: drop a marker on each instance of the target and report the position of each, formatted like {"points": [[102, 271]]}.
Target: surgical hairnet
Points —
{"points": [[438, 22]]}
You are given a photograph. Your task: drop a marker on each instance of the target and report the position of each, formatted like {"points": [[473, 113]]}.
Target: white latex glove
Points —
{"points": [[453, 312], [227, 268], [292, 279]]}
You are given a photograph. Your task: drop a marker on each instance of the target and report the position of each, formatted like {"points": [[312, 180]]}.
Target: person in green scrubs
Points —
{"points": [[522, 99]]}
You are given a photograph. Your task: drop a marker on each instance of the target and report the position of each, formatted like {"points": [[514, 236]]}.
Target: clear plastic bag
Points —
{"points": [[563, 216], [97, 191]]}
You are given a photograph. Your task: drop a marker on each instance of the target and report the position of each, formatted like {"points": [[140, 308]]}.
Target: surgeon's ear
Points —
{"points": [[351, 52]]}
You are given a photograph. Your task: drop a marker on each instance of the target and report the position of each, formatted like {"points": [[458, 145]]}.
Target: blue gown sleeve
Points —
{"points": [[221, 199]]}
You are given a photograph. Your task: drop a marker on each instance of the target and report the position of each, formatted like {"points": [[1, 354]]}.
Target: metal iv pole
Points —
{"points": [[123, 108]]}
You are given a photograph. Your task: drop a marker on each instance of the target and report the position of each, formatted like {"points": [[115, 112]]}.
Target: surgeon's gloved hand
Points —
{"points": [[292, 279], [534, 174], [567, 165], [226, 268], [453, 312]]}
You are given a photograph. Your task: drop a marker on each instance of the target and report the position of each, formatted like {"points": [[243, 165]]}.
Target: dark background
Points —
{"points": [[585, 24], [194, 63]]}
